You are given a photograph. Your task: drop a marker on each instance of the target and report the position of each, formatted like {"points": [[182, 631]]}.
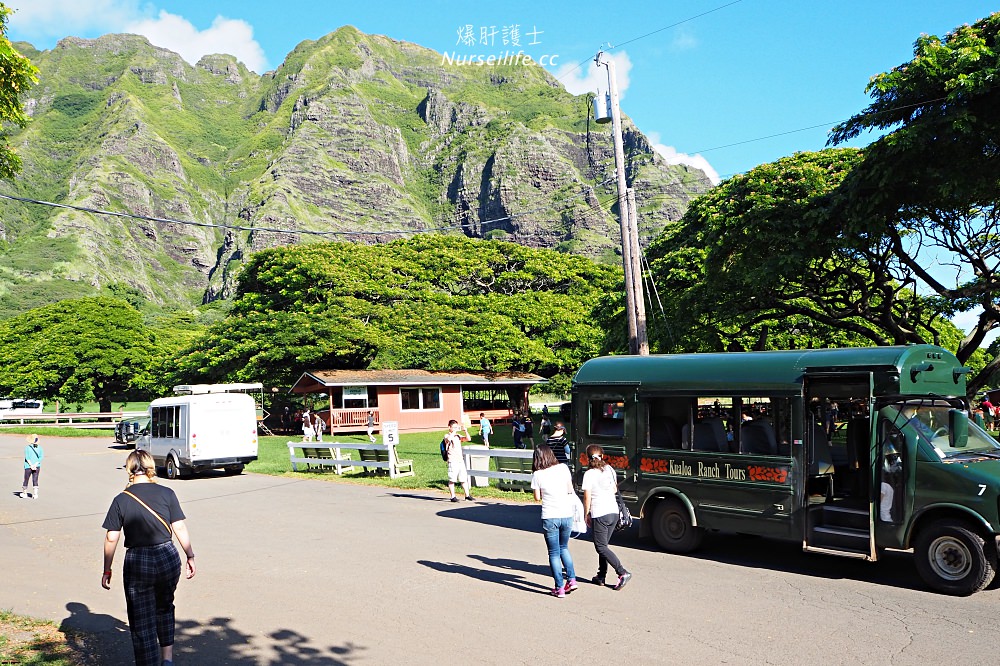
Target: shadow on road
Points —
{"points": [[489, 576], [525, 517], [102, 639]]}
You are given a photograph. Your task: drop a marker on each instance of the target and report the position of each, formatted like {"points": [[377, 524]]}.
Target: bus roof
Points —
{"points": [[911, 369]]}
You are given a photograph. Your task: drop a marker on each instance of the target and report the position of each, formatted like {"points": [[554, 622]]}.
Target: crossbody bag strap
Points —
{"points": [[158, 516]]}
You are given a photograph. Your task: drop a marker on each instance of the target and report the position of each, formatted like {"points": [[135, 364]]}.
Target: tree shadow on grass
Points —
{"points": [[102, 639]]}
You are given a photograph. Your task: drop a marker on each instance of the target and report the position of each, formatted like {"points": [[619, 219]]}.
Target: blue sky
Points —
{"points": [[723, 85]]}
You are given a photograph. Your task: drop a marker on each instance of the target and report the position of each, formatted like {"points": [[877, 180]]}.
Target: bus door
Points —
{"points": [[837, 432], [608, 419]]}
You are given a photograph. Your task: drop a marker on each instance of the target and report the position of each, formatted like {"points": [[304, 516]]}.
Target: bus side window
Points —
{"points": [[607, 418]]}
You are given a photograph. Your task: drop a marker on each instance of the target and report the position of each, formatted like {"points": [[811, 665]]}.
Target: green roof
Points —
{"points": [[780, 371]]}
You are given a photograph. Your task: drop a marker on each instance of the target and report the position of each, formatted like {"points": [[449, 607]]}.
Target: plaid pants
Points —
{"points": [[150, 575]]}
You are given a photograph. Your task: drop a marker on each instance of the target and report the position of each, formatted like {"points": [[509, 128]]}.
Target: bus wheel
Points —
{"points": [[672, 528], [953, 559], [234, 469], [173, 468]]}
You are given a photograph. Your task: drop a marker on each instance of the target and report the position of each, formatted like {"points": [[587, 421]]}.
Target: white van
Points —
{"points": [[201, 431]]}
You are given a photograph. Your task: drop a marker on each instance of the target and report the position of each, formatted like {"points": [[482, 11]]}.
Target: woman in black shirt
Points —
{"points": [[150, 515]]}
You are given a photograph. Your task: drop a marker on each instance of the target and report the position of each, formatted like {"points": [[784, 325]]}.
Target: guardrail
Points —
{"points": [[523, 457], [68, 419]]}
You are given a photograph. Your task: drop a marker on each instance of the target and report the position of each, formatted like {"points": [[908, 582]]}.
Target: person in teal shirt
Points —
{"points": [[33, 454], [485, 428]]}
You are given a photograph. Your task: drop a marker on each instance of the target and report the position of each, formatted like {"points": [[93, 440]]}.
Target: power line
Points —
{"points": [[648, 34], [278, 230]]}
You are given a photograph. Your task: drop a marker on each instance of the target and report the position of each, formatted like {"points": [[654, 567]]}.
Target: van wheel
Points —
{"points": [[673, 530], [173, 468], [234, 469], [953, 559]]}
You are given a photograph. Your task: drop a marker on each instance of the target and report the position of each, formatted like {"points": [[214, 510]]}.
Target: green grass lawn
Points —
{"points": [[430, 472], [54, 431]]}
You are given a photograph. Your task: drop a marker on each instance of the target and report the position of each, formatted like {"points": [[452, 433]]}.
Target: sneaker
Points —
{"points": [[623, 580], [468, 498], [599, 580], [558, 593], [570, 585], [454, 499]]}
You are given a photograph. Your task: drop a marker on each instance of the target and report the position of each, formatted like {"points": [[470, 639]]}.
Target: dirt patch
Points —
{"points": [[27, 641]]}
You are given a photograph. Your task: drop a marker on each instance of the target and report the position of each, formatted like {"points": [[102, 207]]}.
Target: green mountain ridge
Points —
{"points": [[353, 137]]}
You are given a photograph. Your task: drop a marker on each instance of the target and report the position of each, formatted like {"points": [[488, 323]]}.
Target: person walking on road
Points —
{"points": [[552, 484], [33, 454], [457, 472], [150, 516], [600, 485]]}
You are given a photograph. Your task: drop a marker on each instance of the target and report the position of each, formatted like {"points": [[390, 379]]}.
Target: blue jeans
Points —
{"points": [[557, 532]]}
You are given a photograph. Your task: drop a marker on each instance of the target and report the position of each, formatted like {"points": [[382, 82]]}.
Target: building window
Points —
{"points": [[420, 398]]}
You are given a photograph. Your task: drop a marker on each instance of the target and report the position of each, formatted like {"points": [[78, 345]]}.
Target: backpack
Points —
{"points": [[444, 449]]}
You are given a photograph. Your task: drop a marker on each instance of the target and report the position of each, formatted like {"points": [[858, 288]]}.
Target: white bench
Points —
{"points": [[379, 456]]}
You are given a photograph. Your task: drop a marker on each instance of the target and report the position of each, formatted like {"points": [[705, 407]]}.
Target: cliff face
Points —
{"points": [[354, 137]]}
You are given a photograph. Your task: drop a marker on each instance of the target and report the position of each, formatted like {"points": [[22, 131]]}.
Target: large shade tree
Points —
{"points": [[434, 302], [17, 74], [927, 191], [759, 262], [76, 350]]}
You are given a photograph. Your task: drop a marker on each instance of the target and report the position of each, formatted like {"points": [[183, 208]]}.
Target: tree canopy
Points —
{"points": [[926, 192], [435, 303], [76, 350], [17, 74]]}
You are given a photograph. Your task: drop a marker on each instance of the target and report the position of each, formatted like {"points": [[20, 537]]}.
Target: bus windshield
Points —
{"points": [[930, 420]]}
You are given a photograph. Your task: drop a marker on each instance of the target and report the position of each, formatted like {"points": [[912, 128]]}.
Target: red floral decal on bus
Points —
{"points": [[772, 474], [618, 462], [653, 465]]}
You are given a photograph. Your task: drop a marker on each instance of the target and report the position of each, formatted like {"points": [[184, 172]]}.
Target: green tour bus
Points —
{"points": [[850, 451]]}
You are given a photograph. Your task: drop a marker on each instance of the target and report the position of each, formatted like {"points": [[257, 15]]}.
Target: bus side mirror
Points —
{"points": [[958, 428]]}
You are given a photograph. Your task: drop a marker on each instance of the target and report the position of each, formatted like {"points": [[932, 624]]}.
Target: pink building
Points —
{"points": [[419, 400]]}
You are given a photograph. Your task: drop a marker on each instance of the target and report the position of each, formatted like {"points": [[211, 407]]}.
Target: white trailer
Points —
{"points": [[201, 431]]}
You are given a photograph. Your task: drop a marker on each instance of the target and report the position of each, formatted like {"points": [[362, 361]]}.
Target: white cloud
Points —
{"points": [[232, 36], [670, 154], [39, 19], [53, 19], [684, 40], [580, 79]]}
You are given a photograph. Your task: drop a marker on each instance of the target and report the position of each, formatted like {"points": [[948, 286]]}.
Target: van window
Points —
{"points": [[607, 418]]}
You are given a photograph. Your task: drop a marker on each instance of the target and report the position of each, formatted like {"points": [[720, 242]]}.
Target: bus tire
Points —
{"points": [[672, 528], [173, 467], [234, 469], [953, 559]]}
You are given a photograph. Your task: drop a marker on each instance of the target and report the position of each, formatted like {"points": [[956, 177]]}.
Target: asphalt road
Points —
{"points": [[312, 572]]}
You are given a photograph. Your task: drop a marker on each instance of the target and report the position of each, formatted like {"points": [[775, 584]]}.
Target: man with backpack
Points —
{"points": [[457, 472]]}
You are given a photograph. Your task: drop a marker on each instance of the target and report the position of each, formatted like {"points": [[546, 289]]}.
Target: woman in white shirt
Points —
{"points": [[600, 485], [553, 485]]}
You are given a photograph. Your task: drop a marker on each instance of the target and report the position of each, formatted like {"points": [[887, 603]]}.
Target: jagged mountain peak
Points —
{"points": [[352, 134]]}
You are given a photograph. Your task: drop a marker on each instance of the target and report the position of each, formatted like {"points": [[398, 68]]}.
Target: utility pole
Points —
{"points": [[631, 264]]}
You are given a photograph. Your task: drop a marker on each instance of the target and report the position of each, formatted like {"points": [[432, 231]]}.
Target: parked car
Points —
{"points": [[128, 430]]}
